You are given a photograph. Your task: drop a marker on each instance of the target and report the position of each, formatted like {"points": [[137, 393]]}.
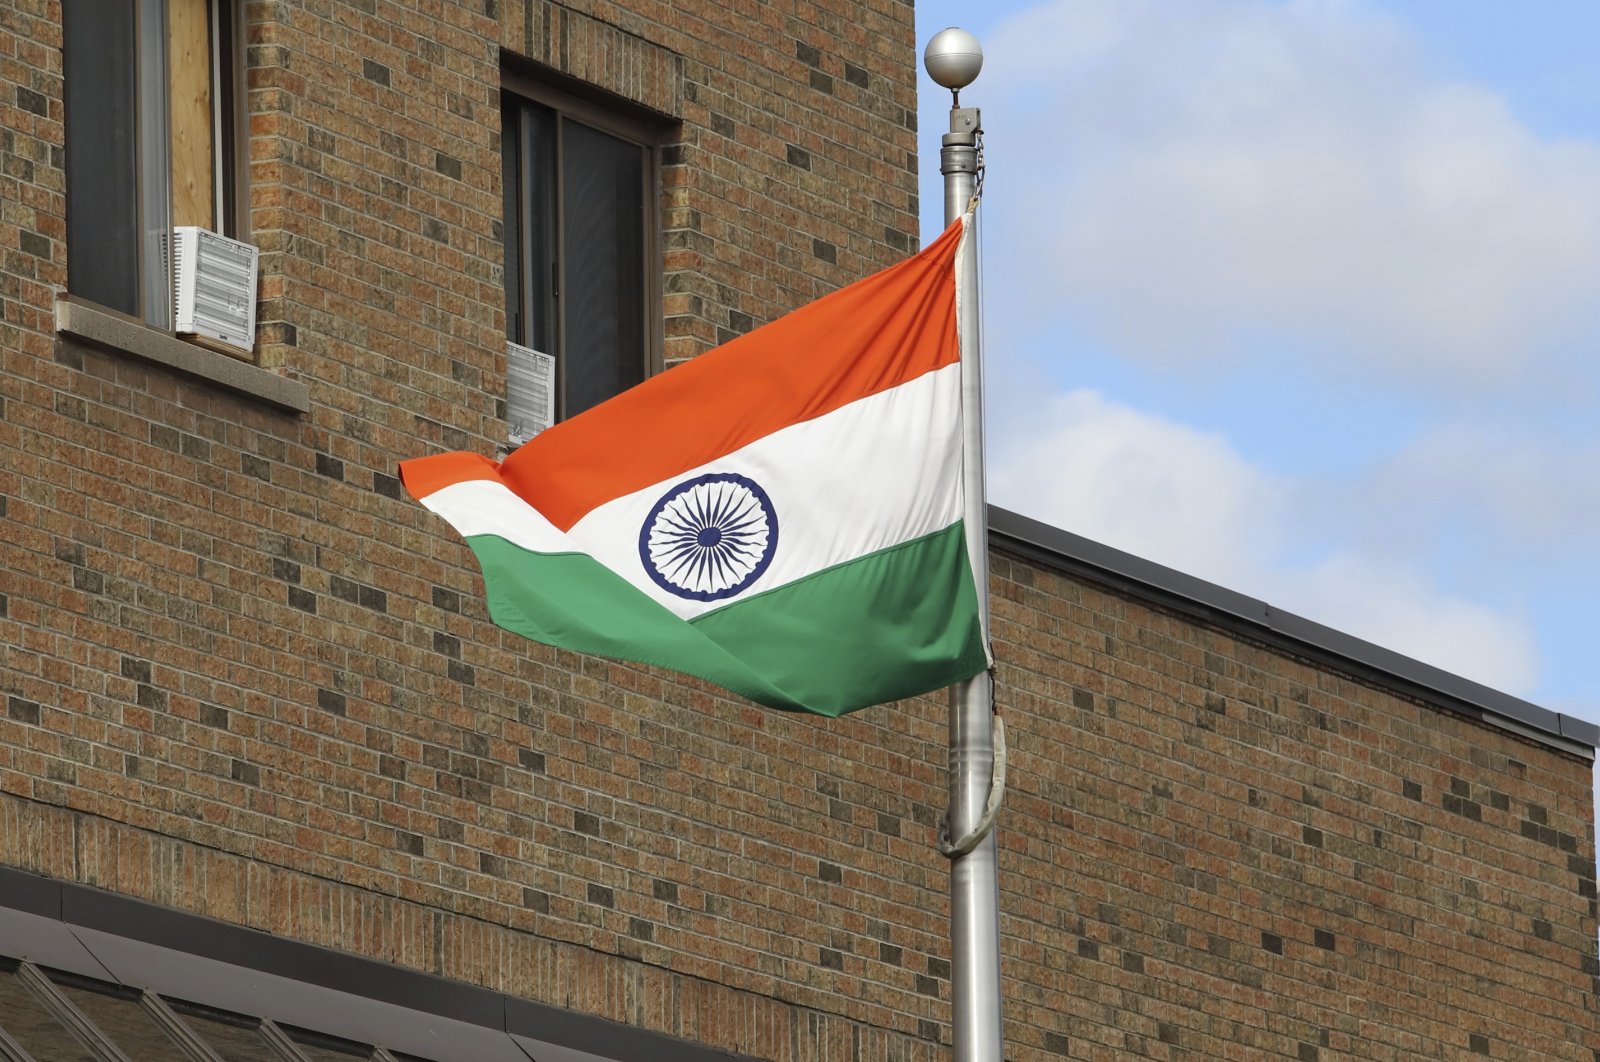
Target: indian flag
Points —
{"points": [[781, 516]]}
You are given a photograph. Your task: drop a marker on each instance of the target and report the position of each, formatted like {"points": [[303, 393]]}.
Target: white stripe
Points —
{"points": [[487, 507], [880, 471]]}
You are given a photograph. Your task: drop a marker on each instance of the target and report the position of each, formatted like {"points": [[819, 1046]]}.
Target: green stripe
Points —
{"points": [[889, 625]]}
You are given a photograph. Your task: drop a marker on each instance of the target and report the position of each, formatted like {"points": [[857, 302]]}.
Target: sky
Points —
{"points": [[1303, 298]]}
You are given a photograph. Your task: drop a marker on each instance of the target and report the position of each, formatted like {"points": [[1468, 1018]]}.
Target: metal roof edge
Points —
{"points": [[1221, 607]]}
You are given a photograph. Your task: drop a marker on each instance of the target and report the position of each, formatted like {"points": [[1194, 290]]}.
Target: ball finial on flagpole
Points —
{"points": [[953, 58]]}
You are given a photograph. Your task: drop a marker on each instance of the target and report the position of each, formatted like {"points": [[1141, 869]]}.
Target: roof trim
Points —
{"points": [[103, 935], [1217, 606]]}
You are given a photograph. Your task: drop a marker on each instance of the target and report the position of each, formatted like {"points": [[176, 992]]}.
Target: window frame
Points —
{"points": [[145, 120], [621, 120]]}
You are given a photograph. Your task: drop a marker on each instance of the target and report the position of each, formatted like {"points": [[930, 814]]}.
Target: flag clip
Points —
{"points": [[991, 807]]}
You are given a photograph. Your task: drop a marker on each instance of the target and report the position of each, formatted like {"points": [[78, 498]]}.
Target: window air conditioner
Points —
{"points": [[214, 286], [530, 392]]}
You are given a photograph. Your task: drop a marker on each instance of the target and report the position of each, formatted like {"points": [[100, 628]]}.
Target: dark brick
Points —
{"points": [[23, 711], [601, 896], [374, 71], [33, 102]]}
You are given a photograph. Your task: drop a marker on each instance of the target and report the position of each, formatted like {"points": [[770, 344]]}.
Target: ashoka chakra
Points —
{"points": [[710, 537]]}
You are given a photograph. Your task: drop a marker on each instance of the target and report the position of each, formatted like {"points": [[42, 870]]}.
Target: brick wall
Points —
{"points": [[243, 676]]}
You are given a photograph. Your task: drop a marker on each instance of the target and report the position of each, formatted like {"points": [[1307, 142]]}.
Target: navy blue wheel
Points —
{"points": [[709, 537]]}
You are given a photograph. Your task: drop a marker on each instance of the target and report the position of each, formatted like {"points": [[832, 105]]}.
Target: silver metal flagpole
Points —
{"points": [[953, 59]]}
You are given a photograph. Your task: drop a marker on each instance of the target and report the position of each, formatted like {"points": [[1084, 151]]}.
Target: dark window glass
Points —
{"points": [[320, 1048], [530, 165], [603, 230], [27, 1022], [234, 1037], [98, 46], [577, 210], [122, 1019]]}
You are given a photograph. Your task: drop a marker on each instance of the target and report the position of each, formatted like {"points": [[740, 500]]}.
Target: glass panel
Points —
{"points": [[123, 1020], [529, 158], [327, 1048], [28, 1023], [232, 1036], [102, 154], [603, 241]]}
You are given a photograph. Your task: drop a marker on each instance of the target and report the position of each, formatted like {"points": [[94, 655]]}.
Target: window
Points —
{"points": [[152, 99], [581, 261]]}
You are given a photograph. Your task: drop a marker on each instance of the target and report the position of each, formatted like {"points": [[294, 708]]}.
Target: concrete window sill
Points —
{"points": [[89, 323]]}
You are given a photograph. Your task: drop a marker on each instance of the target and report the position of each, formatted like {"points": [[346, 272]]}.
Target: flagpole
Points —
{"points": [[953, 59]]}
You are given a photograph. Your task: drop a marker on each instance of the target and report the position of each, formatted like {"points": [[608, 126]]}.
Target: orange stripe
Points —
{"points": [[874, 335], [424, 475]]}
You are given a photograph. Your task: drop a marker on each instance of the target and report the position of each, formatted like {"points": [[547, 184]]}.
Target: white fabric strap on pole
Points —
{"points": [[991, 807]]}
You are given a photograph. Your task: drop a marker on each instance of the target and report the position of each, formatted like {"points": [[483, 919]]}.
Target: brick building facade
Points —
{"points": [[246, 680]]}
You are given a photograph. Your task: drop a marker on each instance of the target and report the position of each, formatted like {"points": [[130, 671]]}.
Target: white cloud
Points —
{"points": [[1188, 500], [1196, 178], [1538, 493]]}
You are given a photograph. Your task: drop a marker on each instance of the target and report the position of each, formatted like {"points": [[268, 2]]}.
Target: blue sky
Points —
{"points": [[1304, 298]]}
